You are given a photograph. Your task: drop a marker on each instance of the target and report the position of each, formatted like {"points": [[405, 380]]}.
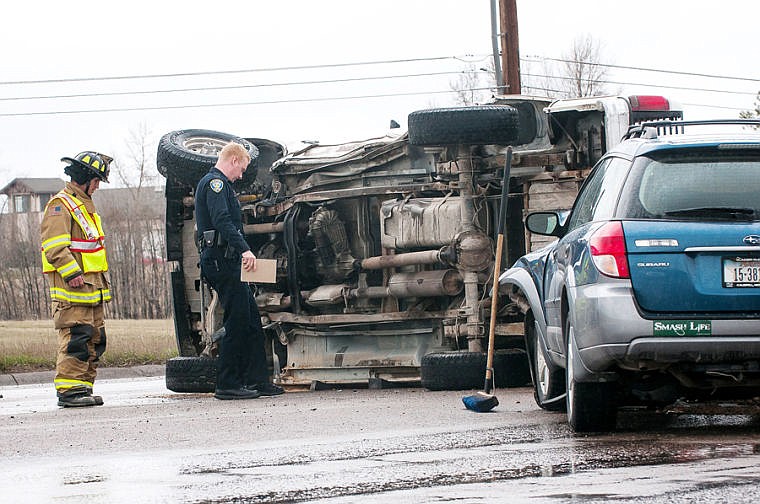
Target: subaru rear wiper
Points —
{"points": [[734, 213]]}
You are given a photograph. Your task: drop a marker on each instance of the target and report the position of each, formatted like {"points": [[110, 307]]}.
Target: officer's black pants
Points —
{"points": [[242, 358]]}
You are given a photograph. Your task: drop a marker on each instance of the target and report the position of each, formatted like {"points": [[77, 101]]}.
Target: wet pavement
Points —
{"points": [[147, 444]]}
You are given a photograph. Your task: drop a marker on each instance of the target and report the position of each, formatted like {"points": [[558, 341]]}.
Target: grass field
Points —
{"points": [[32, 345]]}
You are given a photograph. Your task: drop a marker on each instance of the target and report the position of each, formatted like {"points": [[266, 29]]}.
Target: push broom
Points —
{"points": [[485, 400]]}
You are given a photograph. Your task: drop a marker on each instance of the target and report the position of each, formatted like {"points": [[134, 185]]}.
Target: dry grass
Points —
{"points": [[32, 345]]}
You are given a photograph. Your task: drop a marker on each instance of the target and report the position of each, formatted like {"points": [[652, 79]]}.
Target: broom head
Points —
{"points": [[480, 402]]}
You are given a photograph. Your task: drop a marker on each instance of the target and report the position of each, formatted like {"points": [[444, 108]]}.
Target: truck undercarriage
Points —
{"points": [[384, 247]]}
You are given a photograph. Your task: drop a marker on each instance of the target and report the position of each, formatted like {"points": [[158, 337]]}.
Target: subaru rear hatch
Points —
{"points": [[691, 219], [693, 268]]}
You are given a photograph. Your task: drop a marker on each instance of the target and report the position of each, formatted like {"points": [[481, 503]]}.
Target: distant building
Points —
{"points": [[26, 198], [30, 195]]}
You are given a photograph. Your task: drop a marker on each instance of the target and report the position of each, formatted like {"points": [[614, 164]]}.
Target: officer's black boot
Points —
{"points": [[266, 389]]}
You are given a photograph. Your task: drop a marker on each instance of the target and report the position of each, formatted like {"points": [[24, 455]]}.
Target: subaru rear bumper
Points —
{"points": [[612, 334]]}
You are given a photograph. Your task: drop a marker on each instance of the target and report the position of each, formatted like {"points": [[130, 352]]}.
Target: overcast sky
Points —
{"points": [[270, 55]]}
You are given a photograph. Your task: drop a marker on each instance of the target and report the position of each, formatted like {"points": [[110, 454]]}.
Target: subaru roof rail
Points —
{"points": [[652, 129]]}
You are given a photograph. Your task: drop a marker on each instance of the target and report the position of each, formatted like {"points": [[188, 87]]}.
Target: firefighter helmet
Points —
{"points": [[93, 163]]}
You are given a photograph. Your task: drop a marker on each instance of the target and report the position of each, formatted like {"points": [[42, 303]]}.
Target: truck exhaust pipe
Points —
{"points": [[421, 284]]}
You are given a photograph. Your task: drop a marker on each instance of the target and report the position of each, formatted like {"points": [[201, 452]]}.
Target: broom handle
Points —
{"points": [[492, 324], [496, 270]]}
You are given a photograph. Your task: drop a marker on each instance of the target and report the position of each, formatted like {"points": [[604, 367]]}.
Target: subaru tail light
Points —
{"points": [[608, 252]]}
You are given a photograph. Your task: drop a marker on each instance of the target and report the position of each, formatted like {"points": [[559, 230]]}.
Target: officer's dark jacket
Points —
{"points": [[217, 207]]}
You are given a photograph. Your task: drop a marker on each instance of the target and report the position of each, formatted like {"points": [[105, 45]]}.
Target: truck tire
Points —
{"points": [[467, 370], [191, 374], [482, 124], [453, 370], [510, 368], [188, 154]]}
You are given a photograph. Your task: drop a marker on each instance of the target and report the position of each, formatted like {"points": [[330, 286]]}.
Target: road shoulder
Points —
{"points": [[12, 379]]}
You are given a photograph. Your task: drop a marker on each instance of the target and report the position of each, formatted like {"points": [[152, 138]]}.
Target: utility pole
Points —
{"points": [[495, 37], [510, 55]]}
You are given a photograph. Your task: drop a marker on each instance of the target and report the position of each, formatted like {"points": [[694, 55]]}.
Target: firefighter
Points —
{"points": [[74, 262]]}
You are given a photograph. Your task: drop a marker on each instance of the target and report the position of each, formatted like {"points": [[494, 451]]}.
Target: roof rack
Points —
{"points": [[653, 129]]}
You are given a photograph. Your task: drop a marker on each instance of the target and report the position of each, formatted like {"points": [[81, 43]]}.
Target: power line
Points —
{"points": [[352, 79], [704, 105], [234, 104], [298, 100], [471, 57], [239, 71], [224, 88], [643, 69], [326, 81], [682, 88]]}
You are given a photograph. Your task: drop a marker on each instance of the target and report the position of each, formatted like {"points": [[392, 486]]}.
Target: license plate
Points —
{"points": [[741, 272]]}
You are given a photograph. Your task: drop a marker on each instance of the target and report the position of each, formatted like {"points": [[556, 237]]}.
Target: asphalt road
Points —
{"points": [[147, 444]]}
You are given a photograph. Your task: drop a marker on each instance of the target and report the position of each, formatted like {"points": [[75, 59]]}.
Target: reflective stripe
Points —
{"points": [[83, 218], [63, 240], [69, 268], [63, 383], [80, 297], [86, 245]]}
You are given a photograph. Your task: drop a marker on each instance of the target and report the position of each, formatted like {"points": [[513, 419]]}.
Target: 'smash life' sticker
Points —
{"points": [[682, 328]]}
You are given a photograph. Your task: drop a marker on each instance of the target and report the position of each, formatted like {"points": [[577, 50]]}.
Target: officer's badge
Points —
{"points": [[216, 185]]}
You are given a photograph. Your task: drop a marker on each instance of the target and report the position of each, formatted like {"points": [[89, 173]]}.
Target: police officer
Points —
{"points": [[242, 366], [74, 262]]}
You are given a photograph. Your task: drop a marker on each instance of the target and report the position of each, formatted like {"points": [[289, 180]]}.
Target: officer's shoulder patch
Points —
{"points": [[55, 210], [216, 185]]}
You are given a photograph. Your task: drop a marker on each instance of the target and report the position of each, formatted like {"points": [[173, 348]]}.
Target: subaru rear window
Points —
{"points": [[700, 185]]}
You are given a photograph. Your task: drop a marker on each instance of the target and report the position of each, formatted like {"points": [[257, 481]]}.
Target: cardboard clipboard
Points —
{"points": [[266, 272]]}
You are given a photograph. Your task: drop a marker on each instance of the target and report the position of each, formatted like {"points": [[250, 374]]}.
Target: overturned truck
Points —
{"points": [[385, 247]]}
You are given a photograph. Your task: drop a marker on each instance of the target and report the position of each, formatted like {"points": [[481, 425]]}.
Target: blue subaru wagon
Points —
{"points": [[651, 293]]}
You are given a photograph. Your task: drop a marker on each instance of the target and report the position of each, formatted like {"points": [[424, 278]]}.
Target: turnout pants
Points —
{"points": [[81, 342], [242, 357]]}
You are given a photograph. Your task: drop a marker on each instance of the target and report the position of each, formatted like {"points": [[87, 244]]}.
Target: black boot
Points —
{"points": [[77, 400], [98, 399], [241, 393], [266, 389]]}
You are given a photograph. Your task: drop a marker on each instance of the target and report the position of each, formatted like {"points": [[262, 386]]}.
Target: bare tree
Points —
{"points": [[541, 81], [752, 114], [583, 69], [135, 234], [136, 168], [576, 74], [23, 291], [474, 85]]}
